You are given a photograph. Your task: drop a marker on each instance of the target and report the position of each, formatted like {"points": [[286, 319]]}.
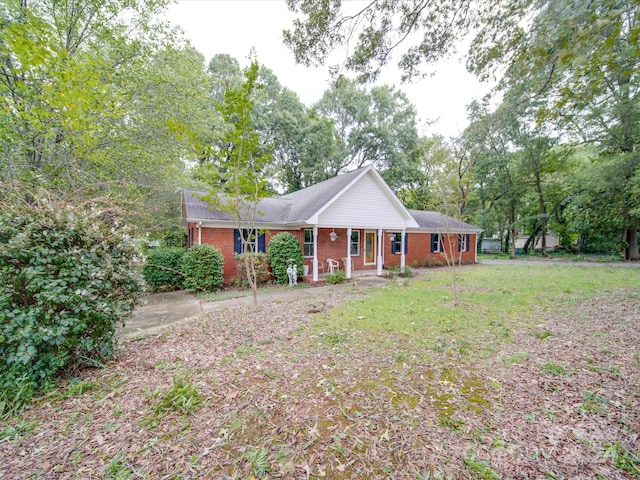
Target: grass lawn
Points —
{"points": [[534, 373]]}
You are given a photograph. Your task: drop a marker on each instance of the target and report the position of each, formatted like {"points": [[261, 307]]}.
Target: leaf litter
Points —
{"points": [[278, 399]]}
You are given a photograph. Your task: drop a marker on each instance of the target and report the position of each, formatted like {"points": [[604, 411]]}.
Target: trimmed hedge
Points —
{"points": [[283, 250], [68, 276], [202, 267], [162, 270]]}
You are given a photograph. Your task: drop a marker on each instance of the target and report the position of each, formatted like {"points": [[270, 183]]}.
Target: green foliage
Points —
{"points": [[175, 237], [258, 459], [335, 278], [202, 267], [480, 468], [162, 270], [183, 398], [98, 103], [257, 261], [68, 276], [284, 250], [394, 272], [624, 459]]}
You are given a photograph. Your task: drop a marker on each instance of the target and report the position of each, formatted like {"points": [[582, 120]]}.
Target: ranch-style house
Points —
{"points": [[350, 222]]}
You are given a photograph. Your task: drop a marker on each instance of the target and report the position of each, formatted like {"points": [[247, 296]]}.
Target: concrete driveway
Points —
{"points": [[159, 310]]}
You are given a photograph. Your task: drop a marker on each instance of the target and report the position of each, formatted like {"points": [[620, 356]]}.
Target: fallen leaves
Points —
{"points": [[278, 402]]}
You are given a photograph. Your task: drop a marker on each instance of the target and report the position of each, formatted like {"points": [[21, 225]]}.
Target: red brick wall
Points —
{"points": [[418, 252]]}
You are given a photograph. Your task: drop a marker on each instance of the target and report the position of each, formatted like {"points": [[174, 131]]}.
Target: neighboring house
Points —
{"points": [[552, 242], [354, 220], [491, 245]]}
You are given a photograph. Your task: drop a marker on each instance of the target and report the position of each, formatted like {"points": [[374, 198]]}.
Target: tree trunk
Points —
{"points": [[512, 219], [630, 236], [543, 215]]}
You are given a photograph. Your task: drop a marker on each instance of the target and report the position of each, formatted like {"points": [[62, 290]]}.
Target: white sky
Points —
{"points": [[235, 26]]}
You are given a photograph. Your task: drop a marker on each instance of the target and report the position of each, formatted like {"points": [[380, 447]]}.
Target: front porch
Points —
{"points": [[355, 274]]}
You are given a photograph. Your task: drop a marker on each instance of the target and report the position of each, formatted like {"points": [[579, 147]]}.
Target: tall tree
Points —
{"points": [[580, 59], [237, 173], [89, 99], [375, 127]]}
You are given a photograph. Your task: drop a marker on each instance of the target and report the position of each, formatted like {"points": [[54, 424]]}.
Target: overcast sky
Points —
{"points": [[235, 26]]}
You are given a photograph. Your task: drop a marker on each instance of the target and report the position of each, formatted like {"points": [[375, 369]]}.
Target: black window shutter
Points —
{"points": [[406, 243], [237, 241], [262, 243], [434, 242]]}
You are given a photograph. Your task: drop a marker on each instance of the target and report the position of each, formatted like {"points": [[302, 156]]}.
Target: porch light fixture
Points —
{"points": [[333, 236], [392, 236]]}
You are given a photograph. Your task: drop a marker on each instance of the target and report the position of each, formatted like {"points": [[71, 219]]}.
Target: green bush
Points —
{"points": [[68, 276], [202, 267], [335, 278], [162, 270], [260, 264], [284, 250]]}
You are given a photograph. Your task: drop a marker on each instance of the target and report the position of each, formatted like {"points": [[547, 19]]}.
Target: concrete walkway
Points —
{"points": [[160, 310]]}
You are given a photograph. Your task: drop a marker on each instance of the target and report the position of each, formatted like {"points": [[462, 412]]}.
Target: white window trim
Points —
{"points": [[440, 243], [305, 243], [463, 243], [352, 243]]}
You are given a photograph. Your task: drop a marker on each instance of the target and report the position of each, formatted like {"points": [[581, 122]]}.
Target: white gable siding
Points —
{"points": [[364, 205]]}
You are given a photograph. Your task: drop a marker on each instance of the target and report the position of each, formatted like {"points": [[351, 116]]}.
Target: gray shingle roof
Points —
{"points": [[439, 223], [299, 206], [270, 210], [308, 201]]}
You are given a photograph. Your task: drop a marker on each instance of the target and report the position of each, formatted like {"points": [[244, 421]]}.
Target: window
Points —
{"points": [[308, 243], [396, 243], [437, 243], [463, 242], [255, 241], [355, 243]]}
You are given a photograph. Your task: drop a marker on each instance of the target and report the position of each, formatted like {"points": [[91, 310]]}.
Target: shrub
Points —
{"points": [[335, 278], [202, 267], [162, 270], [260, 264], [67, 278], [284, 250], [395, 272]]}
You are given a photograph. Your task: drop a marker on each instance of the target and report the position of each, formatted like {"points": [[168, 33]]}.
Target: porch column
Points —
{"points": [[199, 233], [348, 263], [379, 263], [402, 259], [315, 253]]}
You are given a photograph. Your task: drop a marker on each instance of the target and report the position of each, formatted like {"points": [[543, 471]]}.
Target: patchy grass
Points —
{"points": [[534, 374]]}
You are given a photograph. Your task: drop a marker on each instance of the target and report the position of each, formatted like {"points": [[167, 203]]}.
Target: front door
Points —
{"points": [[369, 248]]}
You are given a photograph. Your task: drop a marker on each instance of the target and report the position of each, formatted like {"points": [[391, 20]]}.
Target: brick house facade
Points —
{"points": [[353, 219]]}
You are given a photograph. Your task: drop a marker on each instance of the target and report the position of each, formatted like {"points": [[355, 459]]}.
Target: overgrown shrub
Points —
{"points": [[284, 250], [202, 267], [263, 275], [68, 276], [335, 278], [162, 270]]}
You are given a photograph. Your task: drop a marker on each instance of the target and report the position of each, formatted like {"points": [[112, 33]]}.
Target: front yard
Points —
{"points": [[535, 373]]}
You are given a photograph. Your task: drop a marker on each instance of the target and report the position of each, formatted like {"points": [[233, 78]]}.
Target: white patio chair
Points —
{"points": [[333, 265]]}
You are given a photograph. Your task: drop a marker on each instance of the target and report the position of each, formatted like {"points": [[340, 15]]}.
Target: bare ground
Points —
{"points": [[278, 399]]}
